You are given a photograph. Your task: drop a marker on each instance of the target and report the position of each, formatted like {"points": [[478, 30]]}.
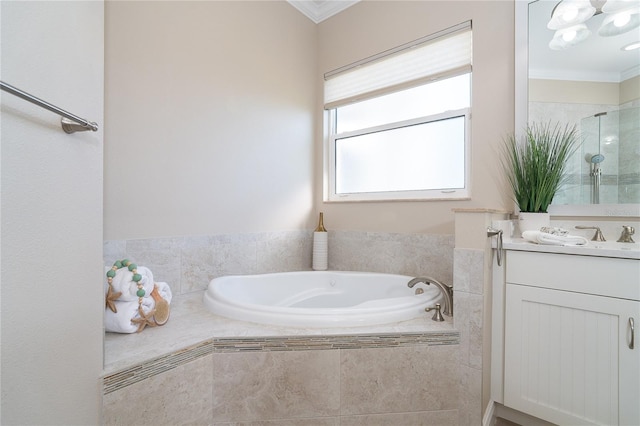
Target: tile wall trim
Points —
{"points": [[137, 373]]}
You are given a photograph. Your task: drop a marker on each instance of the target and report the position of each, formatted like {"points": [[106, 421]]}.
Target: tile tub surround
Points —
{"points": [[158, 359], [204, 369], [469, 272], [407, 385], [188, 263]]}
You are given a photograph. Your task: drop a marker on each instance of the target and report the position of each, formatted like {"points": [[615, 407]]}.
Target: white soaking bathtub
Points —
{"points": [[319, 298]]}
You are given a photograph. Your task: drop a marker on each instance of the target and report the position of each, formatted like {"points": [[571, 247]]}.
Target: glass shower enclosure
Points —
{"points": [[606, 169]]}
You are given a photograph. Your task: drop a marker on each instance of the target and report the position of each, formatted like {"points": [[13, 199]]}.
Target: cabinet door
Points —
{"points": [[567, 357]]}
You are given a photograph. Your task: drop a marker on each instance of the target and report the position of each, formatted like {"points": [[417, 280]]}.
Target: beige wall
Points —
{"points": [[580, 92], [371, 27], [214, 122], [209, 118], [584, 92], [630, 90]]}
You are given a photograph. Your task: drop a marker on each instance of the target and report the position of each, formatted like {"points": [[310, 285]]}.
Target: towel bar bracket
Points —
{"points": [[499, 250], [71, 126]]}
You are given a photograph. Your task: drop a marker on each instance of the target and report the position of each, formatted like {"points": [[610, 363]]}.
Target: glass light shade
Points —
{"points": [[620, 22], [568, 37], [631, 46], [569, 13], [614, 6]]}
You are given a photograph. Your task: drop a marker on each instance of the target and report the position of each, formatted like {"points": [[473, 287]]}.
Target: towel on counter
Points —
{"points": [[540, 237], [123, 283], [554, 231], [127, 304], [120, 322]]}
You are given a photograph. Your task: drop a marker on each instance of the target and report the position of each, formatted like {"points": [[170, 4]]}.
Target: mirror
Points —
{"points": [[594, 85]]}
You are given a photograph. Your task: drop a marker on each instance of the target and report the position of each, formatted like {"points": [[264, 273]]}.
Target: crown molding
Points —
{"points": [[319, 10]]}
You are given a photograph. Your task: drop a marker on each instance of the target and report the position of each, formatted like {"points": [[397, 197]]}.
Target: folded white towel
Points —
{"points": [[554, 231], [540, 237]]}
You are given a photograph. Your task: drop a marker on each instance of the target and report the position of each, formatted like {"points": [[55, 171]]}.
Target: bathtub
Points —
{"points": [[319, 298]]}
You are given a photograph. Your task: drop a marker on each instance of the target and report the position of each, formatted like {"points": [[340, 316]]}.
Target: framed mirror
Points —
{"points": [[589, 80]]}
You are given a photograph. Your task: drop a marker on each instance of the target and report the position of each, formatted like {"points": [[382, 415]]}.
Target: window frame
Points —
{"points": [[330, 194]]}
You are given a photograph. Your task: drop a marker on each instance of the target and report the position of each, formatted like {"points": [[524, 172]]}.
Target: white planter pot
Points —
{"points": [[532, 221]]}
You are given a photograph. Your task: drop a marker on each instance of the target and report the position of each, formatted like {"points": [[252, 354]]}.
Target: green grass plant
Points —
{"points": [[535, 164]]}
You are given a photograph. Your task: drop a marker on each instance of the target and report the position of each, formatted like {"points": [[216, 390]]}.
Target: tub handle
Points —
{"points": [[437, 316], [445, 289]]}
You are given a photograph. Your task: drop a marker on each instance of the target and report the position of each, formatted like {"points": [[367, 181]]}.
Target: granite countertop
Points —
{"points": [[190, 323], [592, 248]]}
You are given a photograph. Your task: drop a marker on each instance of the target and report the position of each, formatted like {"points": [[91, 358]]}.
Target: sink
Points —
{"points": [[592, 248], [613, 245]]}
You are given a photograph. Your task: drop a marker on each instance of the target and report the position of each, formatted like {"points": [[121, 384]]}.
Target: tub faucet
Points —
{"points": [[627, 232], [446, 290]]}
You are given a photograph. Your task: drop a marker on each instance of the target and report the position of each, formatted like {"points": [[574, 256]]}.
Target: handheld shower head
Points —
{"points": [[597, 159]]}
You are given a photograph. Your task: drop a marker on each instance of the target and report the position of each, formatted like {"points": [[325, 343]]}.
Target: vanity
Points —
{"points": [[564, 320], [565, 332]]}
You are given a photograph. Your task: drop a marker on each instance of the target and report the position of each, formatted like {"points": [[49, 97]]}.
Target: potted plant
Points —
{"points": [[535, 167]]}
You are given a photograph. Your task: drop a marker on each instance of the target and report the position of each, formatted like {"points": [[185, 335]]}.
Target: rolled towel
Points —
{"points": [[127, 310], [127, 302], [123, 283], [120, 322], [545, 238], [165, 291]]}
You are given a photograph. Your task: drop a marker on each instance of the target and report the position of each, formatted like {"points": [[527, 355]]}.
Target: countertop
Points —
{"points": [[592, 248]]}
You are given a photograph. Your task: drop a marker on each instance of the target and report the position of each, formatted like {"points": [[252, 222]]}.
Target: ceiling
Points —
{"points": [[319, 10], [595, 59]]}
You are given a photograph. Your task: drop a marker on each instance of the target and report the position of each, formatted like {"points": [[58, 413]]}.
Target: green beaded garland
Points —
{"points": [[121, 264], [126, 263]]}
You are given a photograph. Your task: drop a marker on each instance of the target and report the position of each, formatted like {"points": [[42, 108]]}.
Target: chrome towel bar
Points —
{"points": [[70, 123]]}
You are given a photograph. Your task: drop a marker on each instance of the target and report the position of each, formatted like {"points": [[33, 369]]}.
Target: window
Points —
{"points": [[400, 133]]}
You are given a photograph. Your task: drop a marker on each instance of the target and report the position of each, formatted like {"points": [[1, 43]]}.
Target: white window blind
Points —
{"points": [[442, 54]]}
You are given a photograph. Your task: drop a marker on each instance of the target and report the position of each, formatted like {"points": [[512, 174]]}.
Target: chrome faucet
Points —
{"points": [[446, 290], [597, 236], [627, 232]]}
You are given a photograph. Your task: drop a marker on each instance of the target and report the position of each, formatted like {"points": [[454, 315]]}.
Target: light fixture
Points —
{"points": [[568, 37], [622, 16], [568, 13], [631, 46]]}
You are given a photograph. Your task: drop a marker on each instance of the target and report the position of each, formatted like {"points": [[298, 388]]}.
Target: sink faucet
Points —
{"points": [[446, 290], [627, 232], [597, 236]]}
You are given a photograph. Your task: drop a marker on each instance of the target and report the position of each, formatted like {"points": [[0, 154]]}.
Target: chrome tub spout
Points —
{"points": [[446, 290]]}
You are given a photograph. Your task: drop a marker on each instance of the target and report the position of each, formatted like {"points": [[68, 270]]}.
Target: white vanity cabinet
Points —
{"points": [[569, 353]]}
